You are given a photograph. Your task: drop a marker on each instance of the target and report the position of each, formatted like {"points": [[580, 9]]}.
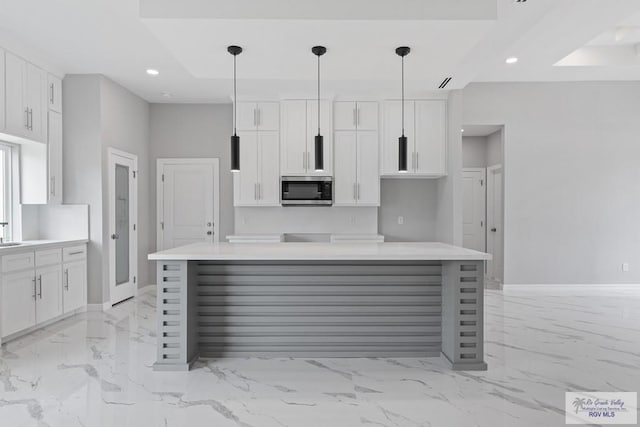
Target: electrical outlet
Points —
{"points": [[625, 266], [400, 220]]}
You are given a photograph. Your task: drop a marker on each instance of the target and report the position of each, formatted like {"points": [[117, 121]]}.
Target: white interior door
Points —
{"points": [[187, 202], [473, 209], [495, 222], [123, 234]]}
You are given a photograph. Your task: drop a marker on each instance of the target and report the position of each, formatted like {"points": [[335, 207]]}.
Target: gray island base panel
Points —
{"points": [[320, 308]]}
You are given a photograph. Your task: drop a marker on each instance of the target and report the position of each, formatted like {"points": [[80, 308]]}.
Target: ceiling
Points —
{"points": [[480, 130], [468, 40]]}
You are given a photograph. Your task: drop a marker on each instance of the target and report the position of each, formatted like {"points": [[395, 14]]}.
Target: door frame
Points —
{"points": [[160, 164], [490, 169], [133, 254]]}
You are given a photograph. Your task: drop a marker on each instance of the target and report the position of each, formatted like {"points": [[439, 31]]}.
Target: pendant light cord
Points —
{"points": [[318, 94], [403, 96], [235, 97]]}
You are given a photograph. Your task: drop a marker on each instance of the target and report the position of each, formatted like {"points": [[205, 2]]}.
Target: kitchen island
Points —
{"points": [[320, 300]]}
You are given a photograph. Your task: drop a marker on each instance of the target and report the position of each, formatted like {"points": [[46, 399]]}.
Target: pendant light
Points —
{"points": [[235, 139], [402, 51], [319, 140]]}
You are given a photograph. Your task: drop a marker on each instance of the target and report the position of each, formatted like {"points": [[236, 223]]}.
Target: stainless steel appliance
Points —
{"points": [[306, 191]]}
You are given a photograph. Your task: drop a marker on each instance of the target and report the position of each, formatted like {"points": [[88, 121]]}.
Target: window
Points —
{"points": [[6, 193]]}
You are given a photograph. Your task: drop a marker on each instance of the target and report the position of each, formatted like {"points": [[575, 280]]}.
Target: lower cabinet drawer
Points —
{"points": [[17, 262], [74, 253], [48, 257]]}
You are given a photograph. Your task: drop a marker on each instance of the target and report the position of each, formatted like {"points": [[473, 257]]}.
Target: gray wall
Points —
{"points": [[572, 180], [494, 148], [98, 114], [82, 157], [415, 200], [474, 151], [191, 130]]}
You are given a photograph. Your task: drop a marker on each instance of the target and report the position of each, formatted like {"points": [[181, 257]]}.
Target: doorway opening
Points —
{"points": [[483, 196]]}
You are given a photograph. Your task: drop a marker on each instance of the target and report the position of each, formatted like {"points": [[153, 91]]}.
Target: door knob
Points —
{"points": [[209, 233], [494, 229], [209, 224], [114, 236]]}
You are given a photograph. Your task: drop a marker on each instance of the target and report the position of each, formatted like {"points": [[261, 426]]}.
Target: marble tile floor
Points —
{"points": [[95, 370]]}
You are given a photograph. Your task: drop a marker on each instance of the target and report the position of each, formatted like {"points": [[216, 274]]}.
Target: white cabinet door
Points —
{"points": [[18, 304], [54, 148], [392, 131], [75, 285], [35, 95], [16, 109], [2, 91], [268, 169], [49, 293], [367, 115], [268, 116], [245, 181], [344, 115], [326, 122], [345, 175], [368, 188], [430, 137], [247, 116], [293, 149], [54, 93]]}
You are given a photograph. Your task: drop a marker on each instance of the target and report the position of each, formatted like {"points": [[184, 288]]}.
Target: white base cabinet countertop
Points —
{"points": [[41, 282]]}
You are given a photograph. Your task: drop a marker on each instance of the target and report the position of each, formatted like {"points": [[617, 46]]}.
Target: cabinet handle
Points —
{"points": [[358, 191], [357, 117], [258, 118], [66, 282], [31, 118], [75, 253], [53, 185], [308, 159], [417, 160], [354, 118], [51, 93], [26, 118], [35, 291], [304, 160], [40, 280]]}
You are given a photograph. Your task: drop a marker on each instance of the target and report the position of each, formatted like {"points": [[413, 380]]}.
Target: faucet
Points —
{"points": [[3, 224]]}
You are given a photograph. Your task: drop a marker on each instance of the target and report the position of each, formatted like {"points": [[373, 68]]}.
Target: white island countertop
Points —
{"points": [[422, 251]]}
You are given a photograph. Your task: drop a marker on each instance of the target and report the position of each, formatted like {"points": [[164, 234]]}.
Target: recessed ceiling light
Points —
{"points": [[152, 72], [166, 95], [511, 60], [461, 130]]}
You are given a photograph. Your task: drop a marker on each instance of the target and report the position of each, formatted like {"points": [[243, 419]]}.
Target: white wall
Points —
{"points": [[494, 148], [99, 113], [416, 200], [572, 180]]}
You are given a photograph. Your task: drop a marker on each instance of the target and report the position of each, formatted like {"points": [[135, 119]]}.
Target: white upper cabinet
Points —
{"points": [[357, 180], [426, 132], [54, 93], [25, 99], [352, 115], [293, 128], [258, 181], [299, 126], [2, 91], [431, 138], [54, 154], [258, 116]]}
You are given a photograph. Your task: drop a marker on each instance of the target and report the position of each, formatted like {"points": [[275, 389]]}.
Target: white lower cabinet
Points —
{"points": [[38, 286], [49, 295], [18, 302], [74, 283]]}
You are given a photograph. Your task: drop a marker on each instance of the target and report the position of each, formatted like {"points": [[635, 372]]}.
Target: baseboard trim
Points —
{"points": [[573, 287]]}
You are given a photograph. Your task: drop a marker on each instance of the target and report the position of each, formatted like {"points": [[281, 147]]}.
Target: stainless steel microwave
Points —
{"points": [[306, 190]]}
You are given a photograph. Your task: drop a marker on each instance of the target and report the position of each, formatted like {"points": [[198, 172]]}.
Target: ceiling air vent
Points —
{"points": [[444, 83]]}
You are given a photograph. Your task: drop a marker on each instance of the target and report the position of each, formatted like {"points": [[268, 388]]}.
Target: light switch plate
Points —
{"points": [[400, 220], [625, 266]]}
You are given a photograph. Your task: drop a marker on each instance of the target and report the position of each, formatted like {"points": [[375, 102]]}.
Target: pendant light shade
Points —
{"points": [[402, 51], [319, 140], [235, 139]]}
